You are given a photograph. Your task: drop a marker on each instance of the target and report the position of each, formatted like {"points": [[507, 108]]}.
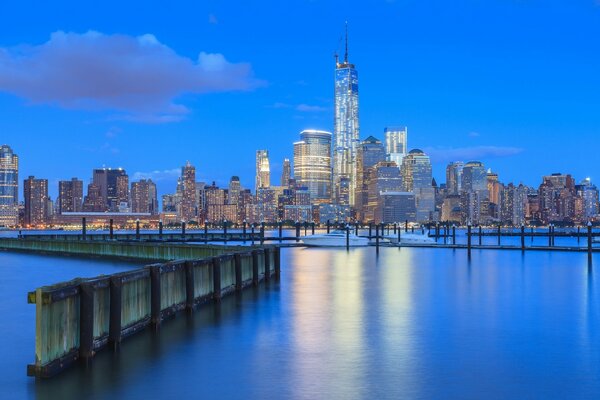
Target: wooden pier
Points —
{"points": [[78, 318]]}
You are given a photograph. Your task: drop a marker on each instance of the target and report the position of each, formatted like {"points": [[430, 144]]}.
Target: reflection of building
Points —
{"points": [[263, 170], [70, 196], [312, 164], [396, 143], [35, 192], [346, 130]]}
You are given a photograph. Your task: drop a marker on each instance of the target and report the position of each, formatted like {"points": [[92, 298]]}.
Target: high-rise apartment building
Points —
{"points": [[263, 170], [417, 178], [188, 193], [312, 164], [35, 193], [113, 190], [346, 131], [70, 196], [143, 197], [9, 187]]}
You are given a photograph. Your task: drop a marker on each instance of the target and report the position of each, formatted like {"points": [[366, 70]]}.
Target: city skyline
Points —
{"points": [[458, 111]]}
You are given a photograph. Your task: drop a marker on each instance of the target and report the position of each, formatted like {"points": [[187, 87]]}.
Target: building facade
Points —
{"points": [[9, 187], [312, 164]]}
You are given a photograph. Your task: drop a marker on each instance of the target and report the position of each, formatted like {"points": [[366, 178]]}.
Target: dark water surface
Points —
{"points": [[410, 324]]}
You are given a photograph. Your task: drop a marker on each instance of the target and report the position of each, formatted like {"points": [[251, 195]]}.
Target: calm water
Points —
{"points": [[412, 323]]}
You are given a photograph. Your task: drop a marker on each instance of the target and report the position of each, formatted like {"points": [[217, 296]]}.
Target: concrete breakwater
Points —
{"points": [[78, 318]]}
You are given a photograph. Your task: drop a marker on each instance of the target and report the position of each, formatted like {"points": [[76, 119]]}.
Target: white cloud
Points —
{"points": [[138, 77], [157, 176]]}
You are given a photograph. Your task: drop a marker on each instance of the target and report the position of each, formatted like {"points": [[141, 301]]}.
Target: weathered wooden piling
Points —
{"points": [[183, 229], [312, 228], [469, 240], [298, 231], [522, 237], [328, 226], [83, 228], [137, 229], [111, 229], [160, 229], [499, 233], [454, 234], [347, 238], [589, 243]]}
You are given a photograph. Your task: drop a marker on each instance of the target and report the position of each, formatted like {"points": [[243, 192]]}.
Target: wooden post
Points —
{"points": [[312, 228], [399, 236], [445, 234], [395, 228], [437, 231], [206, 230], [252, 233], [277, 262], [160, 229], [86, 322], [454, 235], [189, 286], [237, 258], [155, 295], [589, 238], [225, 230], [280, 230], [578, 234], [549, 235], [412, 229], [111, 229], [216, 264], [328, 226], [356, 228], [137, 229], [469, 240], [406, 226], [377, 237], [262, 233], [267, 264], [532, 234], [255, 267], [83, 228], [347, 238], [522, 237], [244, 231], [114, 324], [183, 229], [480, 234], [298, 231], [499, 233]]}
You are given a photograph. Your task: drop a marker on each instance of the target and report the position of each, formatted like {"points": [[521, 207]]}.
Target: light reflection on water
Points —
{"points": [[411, 323]]}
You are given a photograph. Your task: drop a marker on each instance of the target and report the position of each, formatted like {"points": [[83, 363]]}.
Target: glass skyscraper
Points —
{"points": [[346, 130], [312, 164], [9, 187], [263, 170], [396, 143], [417, 178]]}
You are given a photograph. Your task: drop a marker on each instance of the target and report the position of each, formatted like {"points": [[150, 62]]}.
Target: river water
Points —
{"points": [[407, 324]]}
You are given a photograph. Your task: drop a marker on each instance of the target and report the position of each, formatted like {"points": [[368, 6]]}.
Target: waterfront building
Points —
{"points": [[557, 198], [9, 187], [286, 172], [397, 207], [384, 177], [475, 191], [235, 188], [266, 206], [588, 192], [417, 178], [297, 213], [396, 143], [312, 164], [94, 202], [188, 193], [143, 197], [263, 170], [113, 184], [70, 196], [514, 205], [35, 193], [369, 153], [346, 131], [333, 213], [452, 210]]}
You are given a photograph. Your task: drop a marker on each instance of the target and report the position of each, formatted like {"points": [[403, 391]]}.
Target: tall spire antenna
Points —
{"points": [[346, 54]]}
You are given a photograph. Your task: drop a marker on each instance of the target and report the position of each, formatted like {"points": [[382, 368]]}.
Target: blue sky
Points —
{"points": [[515, 83]]}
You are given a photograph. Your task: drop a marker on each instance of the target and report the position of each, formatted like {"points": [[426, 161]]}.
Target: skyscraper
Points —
{"points": [[286, 172], [9, 187], [35, 192], [70, 196], [384, 177], [369, 153], [346, 130], [417, 178], [112, 189], [143, 197], [454, 172], [263, 169], [188, 192], [312, 164], [396, 143]]}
